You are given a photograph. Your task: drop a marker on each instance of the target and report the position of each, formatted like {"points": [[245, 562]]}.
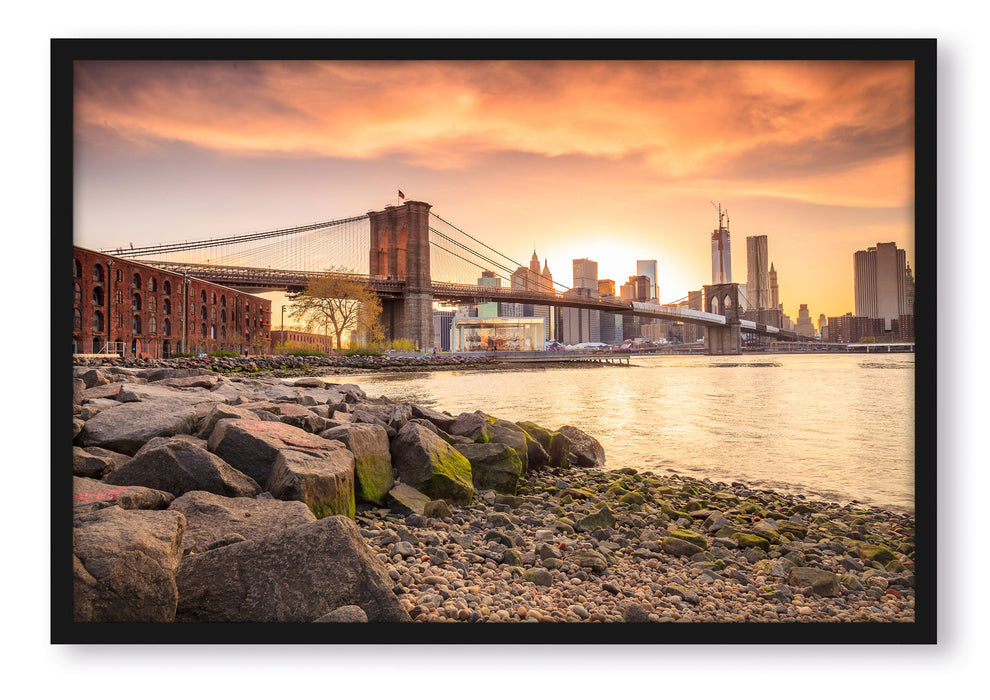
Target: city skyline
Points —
{"points": [[612, 161]]}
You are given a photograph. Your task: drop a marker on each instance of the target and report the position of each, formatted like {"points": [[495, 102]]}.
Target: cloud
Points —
{"points": [[778, 126]]}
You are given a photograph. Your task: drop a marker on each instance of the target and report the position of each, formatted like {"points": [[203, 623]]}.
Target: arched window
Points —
{"points": [[166, 287], [166, 327], [213, 331], [202, 297], [223, 331], [118, 296], [152, 304], [97, 273], [152, 325], [202, 330], [136, 301], [76, 268], [223, 315], [76, 293], [136, 282], [136, 326], [98, 296], [120, 319], [97, 345], [202, 312], [76, 320], [223, 300], [166, 307], [213, 315], [119, 276], [98, 321], [214, 298], [152, 285]]}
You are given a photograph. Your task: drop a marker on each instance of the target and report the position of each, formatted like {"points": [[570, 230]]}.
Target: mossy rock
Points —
{"points": [[752, 509], [691, 506], [617, 489], [539, 576], [633, 498], [679, 547], [691, 536], [746, 540], [876, 553]]}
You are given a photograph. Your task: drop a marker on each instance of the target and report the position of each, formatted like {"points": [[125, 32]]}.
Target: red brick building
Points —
{"points": [[137, 310], [300, 340]]}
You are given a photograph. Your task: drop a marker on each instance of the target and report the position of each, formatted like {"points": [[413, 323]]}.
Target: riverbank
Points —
{"points": [[285, 366], [343, 507]]}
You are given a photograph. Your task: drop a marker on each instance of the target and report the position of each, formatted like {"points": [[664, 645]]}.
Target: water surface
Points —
{"points": [[835, 427]]}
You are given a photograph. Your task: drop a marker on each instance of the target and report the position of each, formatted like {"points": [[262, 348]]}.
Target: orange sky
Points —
{"points": [[615, 161]]}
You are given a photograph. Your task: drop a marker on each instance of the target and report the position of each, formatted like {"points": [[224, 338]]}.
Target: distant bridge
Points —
{"points": [[410, 257]]}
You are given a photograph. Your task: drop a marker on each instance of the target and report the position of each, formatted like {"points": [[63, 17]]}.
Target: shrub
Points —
{"points": [[222, 353]]}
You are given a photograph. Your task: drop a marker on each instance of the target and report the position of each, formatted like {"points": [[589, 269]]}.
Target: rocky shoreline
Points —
{"points": [[200, 497]]}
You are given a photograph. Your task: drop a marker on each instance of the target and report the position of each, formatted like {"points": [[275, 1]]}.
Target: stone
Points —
{"points": [[95, 462], [372, 459], [252, 446], [602, 518], [476, 426], [510, 434], [90, 494], [295, 575], [324, 481], [78, 393], [493, 466], [210, 517], [221, 412], [679, 547], [440, 420], [345, 613], [589, 558], [686, 594], [691, 536], [176, 466], [427, 463], [437, 509], [124, 565], [410, 498], [587, 451], [871, 552], [204, 381], [125, 428], [555, 444], [744, 539], [93, 377], [824, 583], [635, 613], [539, 576]]}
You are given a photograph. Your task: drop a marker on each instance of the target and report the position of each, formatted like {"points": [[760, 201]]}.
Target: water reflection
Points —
{"points": [[831, 426]]}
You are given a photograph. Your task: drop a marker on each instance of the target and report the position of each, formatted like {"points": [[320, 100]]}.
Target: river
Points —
{"points": [[835, 427]]}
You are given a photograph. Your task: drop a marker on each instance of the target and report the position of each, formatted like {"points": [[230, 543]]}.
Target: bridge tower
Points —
{"points": [[723, 299], [400, 250]]}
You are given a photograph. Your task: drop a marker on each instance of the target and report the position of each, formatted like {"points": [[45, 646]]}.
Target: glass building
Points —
{"points": [[497, 334]]}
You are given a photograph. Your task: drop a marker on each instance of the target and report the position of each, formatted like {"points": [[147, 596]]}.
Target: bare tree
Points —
{"points": [[338, 301]]}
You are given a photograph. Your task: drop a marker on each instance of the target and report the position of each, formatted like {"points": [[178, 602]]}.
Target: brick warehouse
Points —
{"points": [[140, 309]]}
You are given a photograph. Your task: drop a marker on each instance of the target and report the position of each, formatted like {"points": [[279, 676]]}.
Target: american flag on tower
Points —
{"points": [[401, 195]]}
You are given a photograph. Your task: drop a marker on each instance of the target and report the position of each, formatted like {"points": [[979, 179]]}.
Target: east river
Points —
{"points": [[832, 427]]}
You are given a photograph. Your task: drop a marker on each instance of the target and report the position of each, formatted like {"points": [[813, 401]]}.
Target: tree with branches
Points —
{"points": [[338, 301]]}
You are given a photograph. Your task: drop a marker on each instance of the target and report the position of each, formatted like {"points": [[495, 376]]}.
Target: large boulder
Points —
{"points": [[477, 426], [252, 446], [510, 434], [372, 459], [95, 462], [587, 451], [210, 517], [177, 466], [426, 462], [441, 420], [124, 564], [90, 494], [556, 445], [323, 480], [125, 428], [222, 412], [494, 465], [295, 575]]}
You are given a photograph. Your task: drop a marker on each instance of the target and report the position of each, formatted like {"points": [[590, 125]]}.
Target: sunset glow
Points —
{"points": [[611, 160]]}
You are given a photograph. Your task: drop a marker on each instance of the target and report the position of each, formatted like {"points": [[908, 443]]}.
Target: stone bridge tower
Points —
{"points": [[723, 299], [400, 250]]}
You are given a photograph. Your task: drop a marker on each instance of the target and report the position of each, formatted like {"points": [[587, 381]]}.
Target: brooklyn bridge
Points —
{"points": [[410, 256]]}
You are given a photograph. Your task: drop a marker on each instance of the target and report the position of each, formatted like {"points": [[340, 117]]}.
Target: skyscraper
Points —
{"points": [[880, 282], [586, 275], [721, 258], [648, 268], [774, 289], [804, 325], [757, 274]]}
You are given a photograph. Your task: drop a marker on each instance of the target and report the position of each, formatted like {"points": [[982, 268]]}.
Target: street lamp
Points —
{"points": [[282, 329]]}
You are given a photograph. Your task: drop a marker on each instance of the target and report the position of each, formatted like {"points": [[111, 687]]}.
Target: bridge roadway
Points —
{"points": [[268, 279]]}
